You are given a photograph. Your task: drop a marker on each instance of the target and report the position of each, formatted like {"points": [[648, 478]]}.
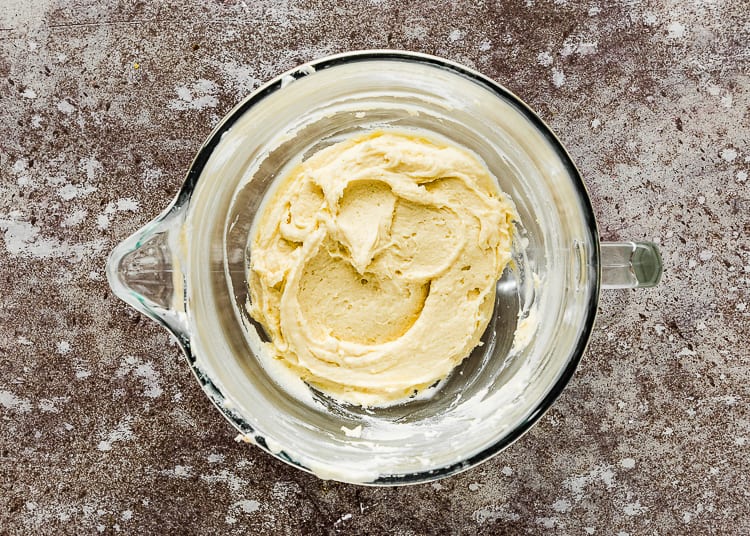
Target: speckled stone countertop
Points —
{"points": [[102, 425]]}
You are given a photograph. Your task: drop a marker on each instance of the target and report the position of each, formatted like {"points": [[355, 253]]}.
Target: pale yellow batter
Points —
{"points": [[373, 265]]}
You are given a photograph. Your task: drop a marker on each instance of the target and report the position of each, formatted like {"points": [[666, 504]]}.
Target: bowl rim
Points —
{"points": [[279, 82]]}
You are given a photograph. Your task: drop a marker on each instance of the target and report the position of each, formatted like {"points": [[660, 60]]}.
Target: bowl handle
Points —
{"points": [[145, 272], [630, 265]]}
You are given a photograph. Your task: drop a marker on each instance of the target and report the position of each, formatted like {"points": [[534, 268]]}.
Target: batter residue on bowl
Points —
{"points": [[374, 264]]}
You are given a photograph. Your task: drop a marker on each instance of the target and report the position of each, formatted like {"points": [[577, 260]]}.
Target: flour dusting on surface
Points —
{"points": [[558, 78], [728, 154], [456, 35], [544, 59], [654, 116], [232, 481], [122, 432], [675, 30], [577, 485], [10, 401], [75, 218], [199, 95], [145, 372], [492, 514], [66, 107], [24, 239]]}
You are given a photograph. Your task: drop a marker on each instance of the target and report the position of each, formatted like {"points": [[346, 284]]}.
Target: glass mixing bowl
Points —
{"points": [[187, 269]]}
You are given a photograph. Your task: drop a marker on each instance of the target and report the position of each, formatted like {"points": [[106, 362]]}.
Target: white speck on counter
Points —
{"points": [[583, 48], [69, 192], [145, 372], [122, 432], [179, 471], [675, 30], [23, 239], [47, 405], [63, 347], [686, 352], [456, 35], [233, 482], [627, 463], [246, 506], [561, 505], [485, 45], [65, 107], [491, 514], [151, 176], [728, 154], [75, 218], [28, 93], [705, 255], [284, 489], [558, 77], [687, 517], [649, 19], [20, 165], [345, 517], [9, 400], [127, 204], [91, 166], [544, 59], [546, 522], [241, 77], [507, 471], [415, 31], [634, 509], [729, 400], [577, 484], [182, 470], [201, 95]]}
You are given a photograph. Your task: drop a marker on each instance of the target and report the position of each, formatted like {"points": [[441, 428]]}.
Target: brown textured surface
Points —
{"points": [[103, 428]]}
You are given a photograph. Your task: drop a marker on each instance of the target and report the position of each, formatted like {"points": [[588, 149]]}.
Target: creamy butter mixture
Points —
{"points": [[374, 263]]}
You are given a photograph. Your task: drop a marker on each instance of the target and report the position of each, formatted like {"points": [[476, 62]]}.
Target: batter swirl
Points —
{"points": [[374, 264]]}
